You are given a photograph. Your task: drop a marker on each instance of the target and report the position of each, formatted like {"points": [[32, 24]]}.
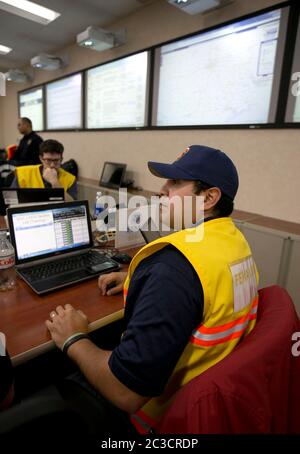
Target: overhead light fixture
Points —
{"points": [[4, 49], [197, 6], [29, 10], [99, 39], [47, 62], [16, 75]]}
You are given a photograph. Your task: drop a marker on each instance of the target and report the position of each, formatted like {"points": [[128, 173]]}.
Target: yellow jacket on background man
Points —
{"points": [[31, 177]]}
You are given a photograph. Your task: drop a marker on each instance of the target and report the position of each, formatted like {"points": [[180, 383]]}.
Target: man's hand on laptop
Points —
{"points": [[51, 175], [112, 283], [65, 322]]}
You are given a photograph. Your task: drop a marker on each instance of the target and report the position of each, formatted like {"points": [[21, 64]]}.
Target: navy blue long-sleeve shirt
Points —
{"points": [[163, 306]]}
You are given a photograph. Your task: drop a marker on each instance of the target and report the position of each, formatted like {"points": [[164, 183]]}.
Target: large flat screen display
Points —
{"points": [[225, 76], [117, 93]]}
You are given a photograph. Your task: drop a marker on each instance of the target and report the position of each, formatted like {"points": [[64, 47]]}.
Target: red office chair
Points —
{"points": [[11, 149], [255, 389]]}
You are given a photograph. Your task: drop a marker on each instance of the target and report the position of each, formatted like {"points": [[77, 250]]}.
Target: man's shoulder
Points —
{"points": [[169, 257], [65, 172], [27, 168], [36, 137]]}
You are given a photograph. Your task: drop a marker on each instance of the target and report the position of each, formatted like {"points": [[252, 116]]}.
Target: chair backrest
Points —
{"points": [[71, 166], [255, 389]]}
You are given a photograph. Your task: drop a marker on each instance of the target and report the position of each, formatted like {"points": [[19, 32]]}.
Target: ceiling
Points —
{"points": [[28, 38]]}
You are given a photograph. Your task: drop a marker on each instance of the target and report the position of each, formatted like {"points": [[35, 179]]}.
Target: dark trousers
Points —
{"points": [[102, 419]]}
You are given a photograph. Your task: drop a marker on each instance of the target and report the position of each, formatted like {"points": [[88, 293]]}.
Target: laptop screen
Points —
{"points": [[54, 229], [112, 175], [14, 196]]}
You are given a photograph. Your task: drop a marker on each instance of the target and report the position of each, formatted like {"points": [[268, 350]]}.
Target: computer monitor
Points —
{"points": [[112, 175]]}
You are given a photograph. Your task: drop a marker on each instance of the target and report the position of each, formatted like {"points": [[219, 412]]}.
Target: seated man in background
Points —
{"points": [[49, 174], [28, 150]]}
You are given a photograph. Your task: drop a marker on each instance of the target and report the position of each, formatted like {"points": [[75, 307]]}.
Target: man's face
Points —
{"points": [[178, 204], [51, 160], [23, 127]]}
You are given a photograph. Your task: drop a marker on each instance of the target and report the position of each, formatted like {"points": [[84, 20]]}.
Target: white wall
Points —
{"points": [[268, 160]]}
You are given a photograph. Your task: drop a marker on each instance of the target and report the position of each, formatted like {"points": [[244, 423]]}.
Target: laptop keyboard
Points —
{"points": [[62, 266]]}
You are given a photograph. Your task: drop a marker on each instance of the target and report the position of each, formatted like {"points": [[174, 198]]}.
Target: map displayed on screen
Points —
{"points": [[31, 106], [64, 103], [224, 76], [116, 93]]}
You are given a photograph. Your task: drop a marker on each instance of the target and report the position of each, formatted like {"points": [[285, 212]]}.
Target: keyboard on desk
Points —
{"points": [[47, 276]]}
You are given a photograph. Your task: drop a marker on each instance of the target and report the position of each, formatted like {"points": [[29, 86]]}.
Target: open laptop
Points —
{"points": [[53, 245], [112, 175], [15, 196]]}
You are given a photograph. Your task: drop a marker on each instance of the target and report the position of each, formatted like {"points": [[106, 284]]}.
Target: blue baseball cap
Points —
{"points": [[199, 162]]}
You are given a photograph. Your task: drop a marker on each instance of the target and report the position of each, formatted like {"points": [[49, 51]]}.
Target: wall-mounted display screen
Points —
{"points": [[117, 93], [226, 76], [64, 103], [31, 106]]}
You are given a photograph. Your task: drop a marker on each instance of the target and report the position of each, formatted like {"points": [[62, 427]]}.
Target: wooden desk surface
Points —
{"points": [[23, 313]]}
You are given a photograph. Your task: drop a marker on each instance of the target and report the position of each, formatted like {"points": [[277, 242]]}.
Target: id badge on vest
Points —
{"points": [[244, 282]]}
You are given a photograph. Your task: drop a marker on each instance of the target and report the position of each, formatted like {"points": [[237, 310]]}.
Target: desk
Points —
{"points": [[23, 313]]}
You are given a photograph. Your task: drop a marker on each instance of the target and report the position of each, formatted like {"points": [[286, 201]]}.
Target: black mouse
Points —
{"points": [[122, 258]]}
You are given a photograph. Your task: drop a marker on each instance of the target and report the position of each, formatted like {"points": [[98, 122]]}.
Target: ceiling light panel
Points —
{"points": [[29, 10], [4, 50]]}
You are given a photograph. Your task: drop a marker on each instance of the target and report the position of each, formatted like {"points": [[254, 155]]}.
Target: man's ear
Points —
{"points": [[212, 196]]}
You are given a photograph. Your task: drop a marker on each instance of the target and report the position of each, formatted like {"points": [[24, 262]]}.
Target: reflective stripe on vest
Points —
{"points": [[142, 422], [218, 334]]}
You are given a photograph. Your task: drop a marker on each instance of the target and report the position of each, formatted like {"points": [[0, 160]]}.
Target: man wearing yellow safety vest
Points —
{"points": [[188, 303], [49, 173]]}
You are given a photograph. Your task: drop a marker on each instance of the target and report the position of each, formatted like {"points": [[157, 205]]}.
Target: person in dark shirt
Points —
{"points": [[165, 298], [28, 150]]}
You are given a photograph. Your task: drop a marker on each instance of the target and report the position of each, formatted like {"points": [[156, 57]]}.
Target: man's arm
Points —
{"points": [[164, 305], [92, 361]]}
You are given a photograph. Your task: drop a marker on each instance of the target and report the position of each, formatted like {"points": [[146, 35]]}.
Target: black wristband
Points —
{"points": [[72, 341]]}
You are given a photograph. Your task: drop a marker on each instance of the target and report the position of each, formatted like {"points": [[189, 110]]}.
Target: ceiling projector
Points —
{"points": [[16, 75], [198, 6], [46, 61], [99, 39]]}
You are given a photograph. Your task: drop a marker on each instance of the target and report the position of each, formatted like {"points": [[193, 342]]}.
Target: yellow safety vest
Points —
{"points": [[30, 177], [222, 259]]}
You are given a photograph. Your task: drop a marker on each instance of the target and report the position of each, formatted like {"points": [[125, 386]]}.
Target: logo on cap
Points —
{"points": [[182, 154]]}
